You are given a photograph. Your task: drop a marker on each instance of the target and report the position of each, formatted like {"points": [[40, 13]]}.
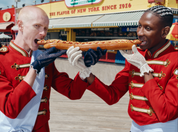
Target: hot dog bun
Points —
{"points": [[119, 44]]}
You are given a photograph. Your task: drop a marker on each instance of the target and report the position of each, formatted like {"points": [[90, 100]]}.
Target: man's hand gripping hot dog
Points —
{"points": [[91, 57], [136, 59], [75, 58]]}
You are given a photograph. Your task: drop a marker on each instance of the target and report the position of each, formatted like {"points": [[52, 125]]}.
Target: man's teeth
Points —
{"points": [[143, 42]]}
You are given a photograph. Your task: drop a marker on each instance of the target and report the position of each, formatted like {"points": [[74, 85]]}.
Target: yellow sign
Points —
{"points": [[74, 3], [103, 7]]}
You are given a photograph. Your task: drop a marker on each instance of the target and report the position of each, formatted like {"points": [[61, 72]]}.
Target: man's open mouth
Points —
{"points": [[143, 42], [36, 40]]}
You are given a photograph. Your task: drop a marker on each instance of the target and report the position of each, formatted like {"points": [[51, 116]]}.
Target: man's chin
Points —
{"points": [[143, 47], [34, 48]]}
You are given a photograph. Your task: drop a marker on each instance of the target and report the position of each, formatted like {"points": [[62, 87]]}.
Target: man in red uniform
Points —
{"points": [[150, 75], [22, 108]]}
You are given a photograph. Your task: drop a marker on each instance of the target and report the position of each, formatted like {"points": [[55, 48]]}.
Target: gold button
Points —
{"points": [[45, 88]]}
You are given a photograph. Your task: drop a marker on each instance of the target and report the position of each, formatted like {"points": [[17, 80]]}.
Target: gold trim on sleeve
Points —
{"points": [[46, 76], [44, 100], [137, 97], [45, 88], [137, 85], [147, 111], [159, 75], [16, 66], [133, 73], [43, 112], [157, 62]]}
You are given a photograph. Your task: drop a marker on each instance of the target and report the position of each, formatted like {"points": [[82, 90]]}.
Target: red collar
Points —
{"points": [[19, 49]]}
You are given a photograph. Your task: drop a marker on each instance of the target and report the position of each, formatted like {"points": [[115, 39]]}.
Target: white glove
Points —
{"points": [[76, 59], [136, 59]]}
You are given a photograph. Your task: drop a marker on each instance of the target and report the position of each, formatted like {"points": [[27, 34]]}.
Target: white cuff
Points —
{"points": [[145, 69], [85, 73]]}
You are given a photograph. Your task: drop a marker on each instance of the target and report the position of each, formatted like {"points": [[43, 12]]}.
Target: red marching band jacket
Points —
{"points": [[16, 93], [151, 102]]}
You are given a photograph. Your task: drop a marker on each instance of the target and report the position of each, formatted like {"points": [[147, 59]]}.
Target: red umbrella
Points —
{"points": [[175, 30]]}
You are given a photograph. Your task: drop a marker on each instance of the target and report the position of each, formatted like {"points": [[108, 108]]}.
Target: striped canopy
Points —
{"points": [[119, 19], [173, 33]]}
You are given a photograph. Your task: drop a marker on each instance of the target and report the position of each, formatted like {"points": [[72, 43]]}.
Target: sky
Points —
{"points": [[4, 4]]}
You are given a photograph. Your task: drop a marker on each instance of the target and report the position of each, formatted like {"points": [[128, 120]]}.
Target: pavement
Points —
{"points": [[90, 113]]}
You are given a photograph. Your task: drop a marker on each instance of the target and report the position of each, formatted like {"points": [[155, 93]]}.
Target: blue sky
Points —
{"points": [[4, 4]]}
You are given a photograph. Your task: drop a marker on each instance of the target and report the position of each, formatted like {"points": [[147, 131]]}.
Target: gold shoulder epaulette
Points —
{"points": [[3, 49]]}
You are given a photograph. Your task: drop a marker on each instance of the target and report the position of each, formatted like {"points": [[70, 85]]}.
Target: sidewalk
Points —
{"points": [[90, 113]]}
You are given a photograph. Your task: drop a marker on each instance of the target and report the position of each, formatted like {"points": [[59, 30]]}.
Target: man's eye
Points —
{"points": [[148, 28], [45, 29], [37, 26], [139, 26]]}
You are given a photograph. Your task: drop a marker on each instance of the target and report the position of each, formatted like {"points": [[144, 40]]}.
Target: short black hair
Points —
{"points": [[164, 13]]}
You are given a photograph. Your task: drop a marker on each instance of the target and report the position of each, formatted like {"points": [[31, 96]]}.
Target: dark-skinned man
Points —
{"points": [[150, 75]]}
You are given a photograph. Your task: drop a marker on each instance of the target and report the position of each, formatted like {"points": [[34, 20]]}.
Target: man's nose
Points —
{"points": [[42, 33], [140, 31]]}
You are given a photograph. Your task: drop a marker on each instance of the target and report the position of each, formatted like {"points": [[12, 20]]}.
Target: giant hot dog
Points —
{"points": [[119, 44]]}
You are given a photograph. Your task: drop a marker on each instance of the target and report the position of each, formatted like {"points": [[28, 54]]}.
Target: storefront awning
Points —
{"points": [[6, 25], [54, 22], [15, 28], [51, 23], [103, 20], [174, 10], [71, 22], [173, 33], [119, 19]]}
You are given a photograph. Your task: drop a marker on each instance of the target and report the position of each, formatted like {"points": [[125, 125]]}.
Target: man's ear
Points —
{"points": [[20, 25], [165, 31]]}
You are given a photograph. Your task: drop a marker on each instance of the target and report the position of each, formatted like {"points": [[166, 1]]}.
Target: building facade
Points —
{"points": [[91, 20], [7, 21]]}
